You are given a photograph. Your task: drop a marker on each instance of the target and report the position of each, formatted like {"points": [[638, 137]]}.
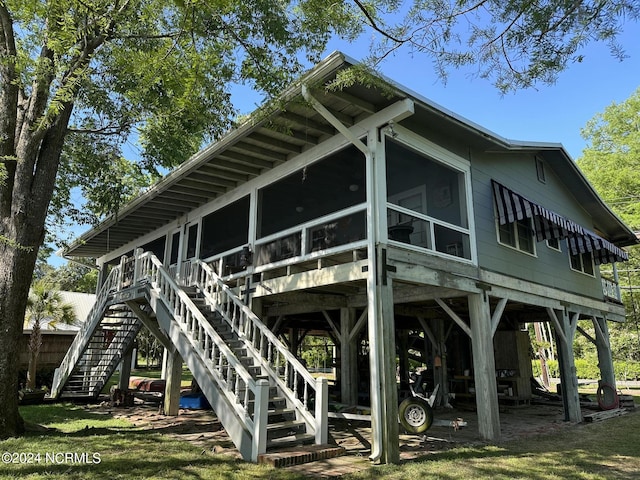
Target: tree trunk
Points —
{"points": [[22, 230], [16, 269], [35, 342], [31, 371]]}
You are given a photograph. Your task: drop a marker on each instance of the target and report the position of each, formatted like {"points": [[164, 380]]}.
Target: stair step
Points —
{"points": [[283, 442], [300, 455], [287, 428]]}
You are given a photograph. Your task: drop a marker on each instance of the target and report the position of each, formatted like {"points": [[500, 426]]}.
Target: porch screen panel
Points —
{"points": [[156, 247], [425, 185], [330, 185], [225, 229]]}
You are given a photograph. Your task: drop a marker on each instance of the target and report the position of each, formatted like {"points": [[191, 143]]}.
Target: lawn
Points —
{"points": [[82, 444]]}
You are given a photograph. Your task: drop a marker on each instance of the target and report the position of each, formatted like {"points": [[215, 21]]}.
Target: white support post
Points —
{"points": [[260, 419], [603, 346], [322, 410], [348, 358], [123, 261], [484, 367], [565, 330], [137, 265], [173, 381]]}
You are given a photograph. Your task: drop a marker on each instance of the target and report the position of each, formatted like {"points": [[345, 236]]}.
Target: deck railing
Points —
{"points": [[229, 373], [611, 289], [302, 389], [69, 361]]}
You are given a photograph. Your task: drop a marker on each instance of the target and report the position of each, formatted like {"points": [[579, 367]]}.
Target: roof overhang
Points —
{"points": [[284, 129]]}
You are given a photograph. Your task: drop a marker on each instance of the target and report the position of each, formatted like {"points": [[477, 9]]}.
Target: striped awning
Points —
{"points": [[547, 224]]}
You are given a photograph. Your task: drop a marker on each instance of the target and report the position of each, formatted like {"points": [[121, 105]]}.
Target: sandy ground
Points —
{"points": [[204, 430]]}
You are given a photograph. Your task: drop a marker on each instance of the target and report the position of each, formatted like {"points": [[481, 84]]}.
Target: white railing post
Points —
{"points": [[123, 261], [137, 266], [322, 408], [260, 419]]}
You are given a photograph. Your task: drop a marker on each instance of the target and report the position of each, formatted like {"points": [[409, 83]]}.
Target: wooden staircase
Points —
{"points": [[284, 429], [109, 342], [263, 396]]}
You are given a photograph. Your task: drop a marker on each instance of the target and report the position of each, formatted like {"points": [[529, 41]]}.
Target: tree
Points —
{"points": [[45, 304], [611, 162], [72, 277], [78, 77], [513, 43]]}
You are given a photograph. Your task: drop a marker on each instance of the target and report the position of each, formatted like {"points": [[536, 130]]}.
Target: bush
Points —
{"points": [[587, 368]]}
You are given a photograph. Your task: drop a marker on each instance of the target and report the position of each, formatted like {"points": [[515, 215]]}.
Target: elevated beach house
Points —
{"points": [[405, 234]]}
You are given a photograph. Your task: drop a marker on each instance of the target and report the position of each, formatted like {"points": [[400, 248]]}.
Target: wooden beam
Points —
{"points": [[454, 316], [283, 128], [497, 315], [484, 367], [349, 99], [275, 143], [343, 273], [240, 166], [262, 152], [556, 322], [428, 332], [359, 325], [244, 163], [150, 323], [302, 122], [331, 323], [586, 335], [333, 120]]}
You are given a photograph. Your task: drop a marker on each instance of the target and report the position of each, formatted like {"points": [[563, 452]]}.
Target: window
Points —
{"points": [[175, 248], [554, 244], [518, 235], [582, 262], [540, 170], [192, 241], [156, 247]]}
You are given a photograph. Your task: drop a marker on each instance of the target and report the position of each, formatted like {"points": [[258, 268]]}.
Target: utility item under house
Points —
{"points": [[404, 233]]}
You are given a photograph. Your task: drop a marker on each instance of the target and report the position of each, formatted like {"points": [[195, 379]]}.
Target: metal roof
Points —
{"points": [[277, 133]]}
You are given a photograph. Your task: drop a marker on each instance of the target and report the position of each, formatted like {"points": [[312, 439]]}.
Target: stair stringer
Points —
{"points": [[81, 340], [93, 369], [112, 356], [237, 426], [294, 381]]}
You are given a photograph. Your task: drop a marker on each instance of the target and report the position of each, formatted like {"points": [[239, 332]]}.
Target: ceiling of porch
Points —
{"points": [[266, 140]]}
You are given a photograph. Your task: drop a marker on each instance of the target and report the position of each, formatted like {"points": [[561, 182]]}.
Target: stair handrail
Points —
{"points": [[296, 382], [222, 363], [114, 350], [61, 374]]}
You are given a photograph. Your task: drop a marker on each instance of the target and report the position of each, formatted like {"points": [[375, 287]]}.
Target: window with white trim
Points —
{"points": [[518, 235], [583, 263], [554, 244]]}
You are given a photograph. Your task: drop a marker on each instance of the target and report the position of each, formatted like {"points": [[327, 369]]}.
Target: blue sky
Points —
{"points": [[549, 113]]}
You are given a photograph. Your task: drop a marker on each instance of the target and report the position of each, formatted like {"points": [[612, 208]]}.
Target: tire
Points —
{"points": [[416, 415], [607, 397]]}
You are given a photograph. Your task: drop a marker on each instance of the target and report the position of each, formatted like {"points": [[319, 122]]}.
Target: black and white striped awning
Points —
{"points": [[512, 206]]}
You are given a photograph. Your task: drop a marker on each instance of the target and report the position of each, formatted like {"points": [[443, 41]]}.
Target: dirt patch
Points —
{"points": [[202, 428]]}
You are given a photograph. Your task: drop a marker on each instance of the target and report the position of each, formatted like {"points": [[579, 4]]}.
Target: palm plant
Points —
{"points": [[45, 304]]}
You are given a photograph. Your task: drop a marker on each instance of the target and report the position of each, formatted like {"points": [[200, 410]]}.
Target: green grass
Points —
{"points": [[601, 450]]}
